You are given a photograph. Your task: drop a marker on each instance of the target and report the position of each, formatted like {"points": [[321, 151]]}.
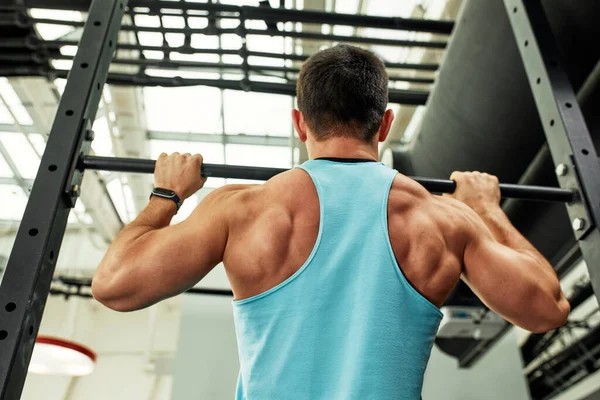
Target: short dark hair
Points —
{"points": [[343, 87]]}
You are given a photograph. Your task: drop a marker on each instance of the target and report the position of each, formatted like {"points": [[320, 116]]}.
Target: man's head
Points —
{"points": [[342, 91]]}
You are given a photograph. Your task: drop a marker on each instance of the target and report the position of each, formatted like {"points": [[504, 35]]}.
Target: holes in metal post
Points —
{"points": [[526, 43], [33, 232], [515, 9], [585, 152], [97, 23], [84, 65], [52, 168], [30, 330], [51, 256], [568, 105], [98, 86], [10, 307], [551, 122], [3, 334], [69, 113], [538, 80], [110, 43]]}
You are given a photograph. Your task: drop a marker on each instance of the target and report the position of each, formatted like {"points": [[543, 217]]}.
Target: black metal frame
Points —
{"points": [[30, 56], [569, 141], [26, 282]]}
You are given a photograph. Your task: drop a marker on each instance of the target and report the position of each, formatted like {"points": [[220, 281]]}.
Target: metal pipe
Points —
{"points": [[263, 173], [259, 32], [275, 14]]}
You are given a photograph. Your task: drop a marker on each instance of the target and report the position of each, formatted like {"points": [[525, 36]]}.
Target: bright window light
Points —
{"points": [[197, 23], [60, 85], [102, 144], [22, 154], [51, 31], [173, 22], [68, 50], [5, 117], [153, 54], [231, 59], [5, 171], [175, 39], [14, 102], [271, 62], [343, 30], [257, 113], [62, 64], [349, 7], [63, 15], [13, 202], [150, 38], [38, 142], [266, 156], [116, 194], [212, 58], [150, 21], [212, 153], [185, 109], [265, 43], [200, 41], [231, 42], [414, 126]]}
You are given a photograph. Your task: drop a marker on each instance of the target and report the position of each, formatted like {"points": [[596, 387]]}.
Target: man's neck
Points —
{"points": [[343, 148]]}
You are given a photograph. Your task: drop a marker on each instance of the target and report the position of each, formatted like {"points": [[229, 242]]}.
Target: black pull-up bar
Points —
{"points": [[134, 165]]}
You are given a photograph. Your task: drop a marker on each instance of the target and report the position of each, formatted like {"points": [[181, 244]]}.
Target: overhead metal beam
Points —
{"points": [[434, 44], [271, 14]]}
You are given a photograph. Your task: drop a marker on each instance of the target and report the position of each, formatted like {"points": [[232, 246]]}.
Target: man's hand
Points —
{"points": [[480, 191], [179, 173]]}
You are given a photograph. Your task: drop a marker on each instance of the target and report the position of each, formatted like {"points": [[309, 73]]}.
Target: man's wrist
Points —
{"points": [[164, 203]]}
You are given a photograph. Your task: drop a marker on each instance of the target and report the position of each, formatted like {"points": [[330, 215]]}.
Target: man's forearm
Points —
{"points": [[157, 214], [504, 231]]}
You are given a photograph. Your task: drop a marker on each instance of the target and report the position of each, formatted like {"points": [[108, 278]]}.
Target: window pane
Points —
{"points": [[13, 202], [102, 143], [211, 152], [185, 109], [5, 171], [257, 113], [21, 153], [260, 156]]}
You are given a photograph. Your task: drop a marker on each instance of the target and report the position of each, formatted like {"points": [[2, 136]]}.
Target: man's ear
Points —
{"points": [[386, 124], [299, 124]]}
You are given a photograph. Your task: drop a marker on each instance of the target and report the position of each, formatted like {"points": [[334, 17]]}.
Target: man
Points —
{"points": [[337, 267]]}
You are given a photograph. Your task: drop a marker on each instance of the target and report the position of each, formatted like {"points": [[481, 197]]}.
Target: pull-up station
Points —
{"points": [[29, 272]]}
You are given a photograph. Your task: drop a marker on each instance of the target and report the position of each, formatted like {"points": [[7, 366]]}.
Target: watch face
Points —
{"points": [[164, 192]]}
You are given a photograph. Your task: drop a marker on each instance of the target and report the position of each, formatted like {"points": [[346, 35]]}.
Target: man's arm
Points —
{"points": [[506, 271], [149, 260]]}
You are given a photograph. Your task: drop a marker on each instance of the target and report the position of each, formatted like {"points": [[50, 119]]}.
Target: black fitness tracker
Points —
{"points": [[167, 194]]}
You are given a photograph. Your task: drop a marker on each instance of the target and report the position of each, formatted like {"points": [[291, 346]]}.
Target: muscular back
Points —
{"points": [[276, 226]]}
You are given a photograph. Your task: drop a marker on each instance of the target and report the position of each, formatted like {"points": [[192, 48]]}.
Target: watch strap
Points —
{"points": [[171, 195]]}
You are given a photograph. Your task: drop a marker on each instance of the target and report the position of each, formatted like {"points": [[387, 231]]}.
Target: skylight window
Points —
{"points": [[185, 109], [14, 103], [260, 156], [22, 154], [257, 113], [5, 171], [102, 144], [13, 202]]}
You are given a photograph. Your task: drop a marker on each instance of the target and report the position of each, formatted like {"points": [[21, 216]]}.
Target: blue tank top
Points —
{"points": [[347, 324]]}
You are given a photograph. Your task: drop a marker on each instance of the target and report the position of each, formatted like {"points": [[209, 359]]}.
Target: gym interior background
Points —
{"points": [[193, 76]]}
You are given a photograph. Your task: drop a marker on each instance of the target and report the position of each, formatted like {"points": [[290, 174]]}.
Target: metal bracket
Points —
{"points": [[73, 186], [568, 177]]}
